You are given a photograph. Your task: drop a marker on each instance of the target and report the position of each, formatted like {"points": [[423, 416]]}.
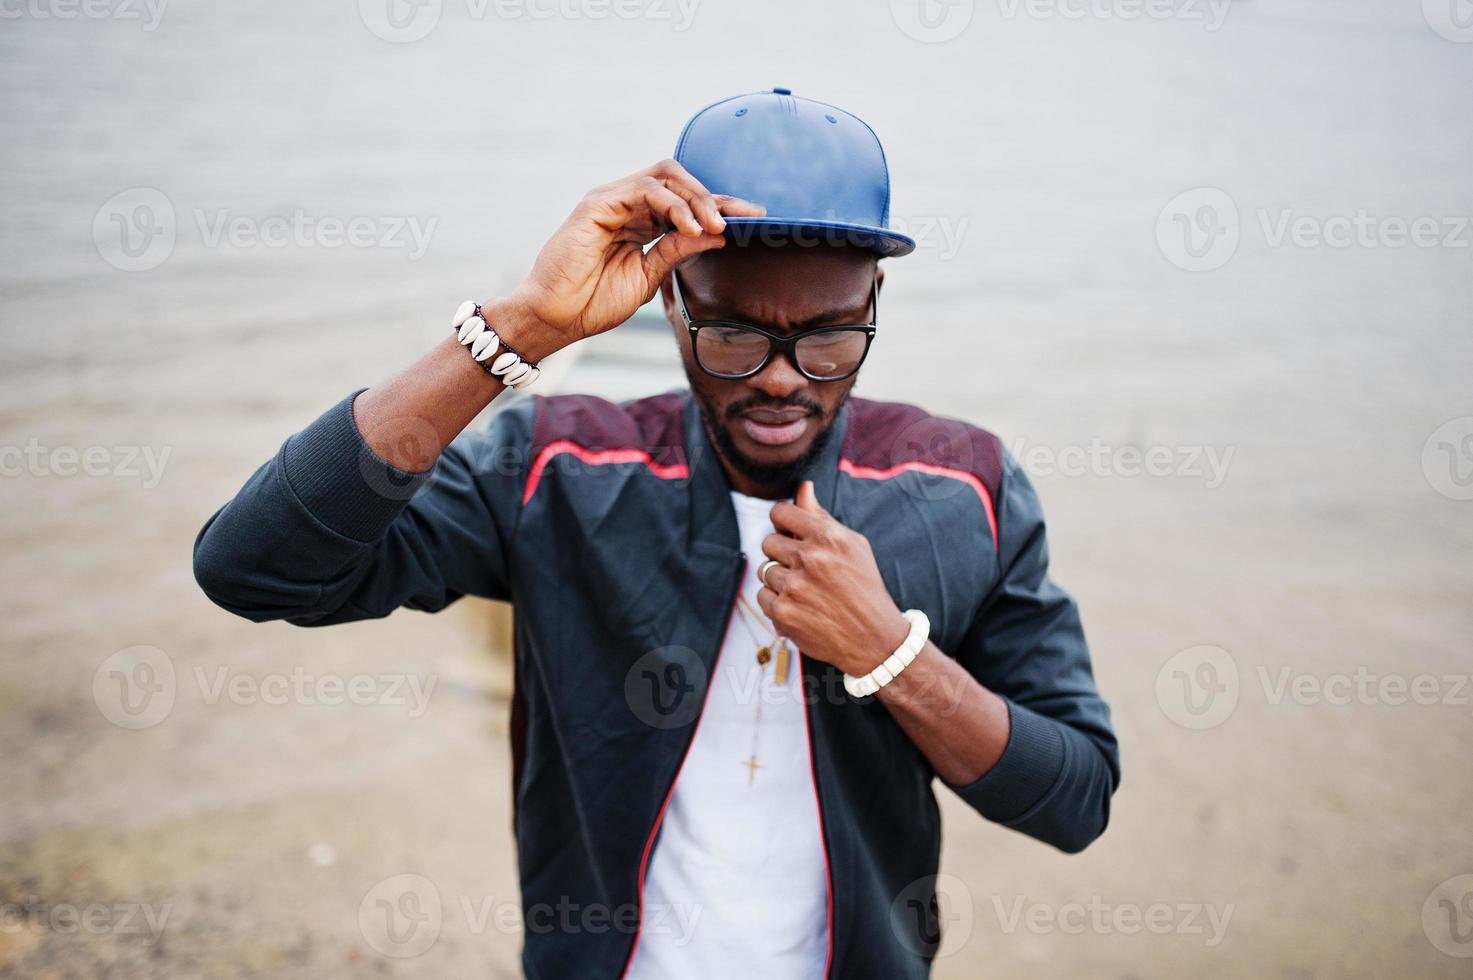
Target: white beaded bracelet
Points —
{"points": [[474, 333], [920, 631]]}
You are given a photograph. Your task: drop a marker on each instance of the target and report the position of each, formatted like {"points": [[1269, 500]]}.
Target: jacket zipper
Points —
{"points": [[649, 842]]}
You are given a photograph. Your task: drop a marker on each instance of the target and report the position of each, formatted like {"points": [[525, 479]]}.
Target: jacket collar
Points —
{"points": [[712, 518]]}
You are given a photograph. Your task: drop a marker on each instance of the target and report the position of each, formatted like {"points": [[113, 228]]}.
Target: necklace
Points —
{"points": [[765, 652], [780, 674]]}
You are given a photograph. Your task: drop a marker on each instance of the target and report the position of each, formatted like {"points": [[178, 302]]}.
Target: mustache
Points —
{"points": [[741, 405]]}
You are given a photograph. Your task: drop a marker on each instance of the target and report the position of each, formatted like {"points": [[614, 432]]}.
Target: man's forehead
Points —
{"points": [[734, 280]]}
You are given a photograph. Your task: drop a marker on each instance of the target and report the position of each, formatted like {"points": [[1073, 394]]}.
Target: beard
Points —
{"points": [[773, 475]]}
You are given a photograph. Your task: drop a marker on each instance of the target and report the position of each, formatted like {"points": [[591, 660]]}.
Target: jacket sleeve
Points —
{"points": [[1061, 764], [326, 532]]}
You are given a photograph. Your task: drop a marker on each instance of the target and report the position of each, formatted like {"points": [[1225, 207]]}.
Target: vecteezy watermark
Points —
{"points": [[666, 687], [932, 21], [135, 687], [1190, 462], [1102, 918], [1200, 230], [1211, 13], [95, 918], [120, 462], [1285, 685], [136, 230], [942, 233], [933, 916], [1447, 458], [148, 12], [1451, 19], [402, 917], [1200, 687], [406, 21], [298, 687], [138, 688], [1447, 917]]}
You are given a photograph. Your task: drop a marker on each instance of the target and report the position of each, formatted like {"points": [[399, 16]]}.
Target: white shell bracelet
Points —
{"points": [[920, 631], [476, 335]]}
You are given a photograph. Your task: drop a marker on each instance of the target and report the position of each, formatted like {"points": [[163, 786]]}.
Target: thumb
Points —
{"points": [[807, 499]]}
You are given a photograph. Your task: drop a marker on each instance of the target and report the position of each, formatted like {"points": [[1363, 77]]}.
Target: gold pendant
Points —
{"points": [[752, 766], [780, 672], [763, 655]]}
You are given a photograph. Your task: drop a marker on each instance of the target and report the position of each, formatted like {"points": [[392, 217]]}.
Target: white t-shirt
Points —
{"points": [[737, 885]]}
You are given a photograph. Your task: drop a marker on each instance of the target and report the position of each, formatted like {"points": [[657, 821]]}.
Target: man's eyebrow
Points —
{"points": [[834, 313]]}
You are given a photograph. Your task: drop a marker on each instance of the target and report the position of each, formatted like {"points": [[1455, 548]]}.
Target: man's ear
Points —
{"points": [[879, 276]]}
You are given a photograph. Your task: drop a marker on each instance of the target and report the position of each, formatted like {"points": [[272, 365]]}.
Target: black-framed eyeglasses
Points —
{"points": [[731, 350]]}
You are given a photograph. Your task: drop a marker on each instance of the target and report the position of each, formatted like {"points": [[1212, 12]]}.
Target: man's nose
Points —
{"points": [[779, 379]]}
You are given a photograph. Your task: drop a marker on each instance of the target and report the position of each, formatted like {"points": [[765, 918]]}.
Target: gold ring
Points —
{"points": [[763, 569]]}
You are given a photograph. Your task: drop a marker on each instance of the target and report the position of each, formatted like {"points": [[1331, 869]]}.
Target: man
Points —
{"points": [[753, 621]]}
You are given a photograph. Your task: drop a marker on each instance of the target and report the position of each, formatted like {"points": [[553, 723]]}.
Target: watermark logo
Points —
{"points": [[414, 441], [399, 21], [1208, 464], [1447, 917], [139, 687], [1198, 230], [406, 21], [1211, 13], [933, 916], [666, 687], [932, 21], [35, 915], [135, 687], [1103, 918], [136, 229], [401, 916], [1447, 458], [1198, 687], [409, 691], [1451, 19], [936, 454], [143, 463], [149, 12]]}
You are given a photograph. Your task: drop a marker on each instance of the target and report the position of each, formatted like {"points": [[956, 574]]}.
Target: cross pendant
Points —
{"points": [[752, 766]]}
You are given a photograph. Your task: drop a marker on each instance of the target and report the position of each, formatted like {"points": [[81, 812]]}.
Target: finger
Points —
{"points": [[780, 547], [795, 520], [703, 203], [684, 183], [674, 170], [670, 251], [766, 598], [675, 209], [807, 499], [776, 577], [737, 207], [708, 207]]}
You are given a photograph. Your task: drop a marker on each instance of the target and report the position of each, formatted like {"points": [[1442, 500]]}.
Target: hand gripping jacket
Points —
{"points": [[610, 529]]}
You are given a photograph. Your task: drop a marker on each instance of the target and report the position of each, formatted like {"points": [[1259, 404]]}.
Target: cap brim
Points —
{"points": [[774, 231]]}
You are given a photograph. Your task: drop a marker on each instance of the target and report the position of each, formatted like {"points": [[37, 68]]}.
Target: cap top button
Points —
{"points": [[782, 91]]}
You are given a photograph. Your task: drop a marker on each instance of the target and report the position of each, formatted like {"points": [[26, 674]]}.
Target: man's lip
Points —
{"points": [[775, 433], [768, 416]]}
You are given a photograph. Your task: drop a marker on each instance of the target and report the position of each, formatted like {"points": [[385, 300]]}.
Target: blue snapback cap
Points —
{"points": [[819, 171]]}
